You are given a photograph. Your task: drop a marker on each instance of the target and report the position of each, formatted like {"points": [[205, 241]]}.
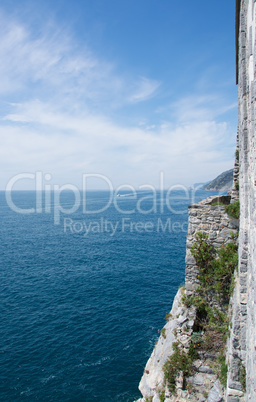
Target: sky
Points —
{"points": [[125, 89]]}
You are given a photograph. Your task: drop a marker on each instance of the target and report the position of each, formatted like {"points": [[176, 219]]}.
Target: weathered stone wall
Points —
{"points": [[244, 309], [235, 189], [211, 219]]}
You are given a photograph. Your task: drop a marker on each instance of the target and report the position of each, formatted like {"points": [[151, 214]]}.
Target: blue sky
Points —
{"points": [[121, 88]]}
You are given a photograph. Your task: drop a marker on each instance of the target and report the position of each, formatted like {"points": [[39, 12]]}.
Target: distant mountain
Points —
{"points": [[200, 185], [222, 183]]}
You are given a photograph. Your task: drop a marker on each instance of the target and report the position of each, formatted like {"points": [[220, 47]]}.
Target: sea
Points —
{"points": [[85, 284]]}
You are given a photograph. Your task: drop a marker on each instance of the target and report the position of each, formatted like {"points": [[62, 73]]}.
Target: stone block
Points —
{"points": [[243, 298], [235, 385], [212, 235], [198, 380], [206, 369], [215, 394], [182, 319], [194, 220], [190, 260], [193, 212], [225, 233]]}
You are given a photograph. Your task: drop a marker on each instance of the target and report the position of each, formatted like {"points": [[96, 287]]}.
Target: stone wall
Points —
{"points": [[235, 189], [243, 335], [211, 219]]}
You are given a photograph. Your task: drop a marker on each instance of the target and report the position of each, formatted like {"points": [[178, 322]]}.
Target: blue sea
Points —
{"points": [[84, 290]]}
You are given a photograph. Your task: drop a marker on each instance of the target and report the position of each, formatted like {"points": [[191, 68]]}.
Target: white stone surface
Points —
{"points": [[153, 377]]}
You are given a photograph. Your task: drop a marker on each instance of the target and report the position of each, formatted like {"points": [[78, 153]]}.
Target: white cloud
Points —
{"points": [[145, 89], [57, 118], [196, 107], [53, 65], [66, 145]]}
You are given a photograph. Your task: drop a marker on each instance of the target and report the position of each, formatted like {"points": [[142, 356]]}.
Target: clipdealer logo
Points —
{"points": [[103, 225], [148, 200]]}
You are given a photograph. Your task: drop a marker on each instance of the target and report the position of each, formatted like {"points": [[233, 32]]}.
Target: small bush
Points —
{"points": [[179, 361], [162, 396], [187, 301], [201, 250], [223, 370], [233, 210], [168, 316], [215, 271], [163, 333], [223, 268], [196, 338]]}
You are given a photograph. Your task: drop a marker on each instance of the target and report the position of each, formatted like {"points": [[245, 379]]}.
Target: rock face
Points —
{"points": [[151, 383], [223, 182]]}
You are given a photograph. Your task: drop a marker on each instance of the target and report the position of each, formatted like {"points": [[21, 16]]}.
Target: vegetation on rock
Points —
{"points": [[233, 209], [179, 361], [216, 276]]}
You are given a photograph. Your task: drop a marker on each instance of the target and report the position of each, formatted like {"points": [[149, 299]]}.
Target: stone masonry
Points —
{"points": [[211, 219], [243, 334]]}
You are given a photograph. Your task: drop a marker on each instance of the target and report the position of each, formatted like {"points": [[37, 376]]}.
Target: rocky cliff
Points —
{"points": [[190, 340]]}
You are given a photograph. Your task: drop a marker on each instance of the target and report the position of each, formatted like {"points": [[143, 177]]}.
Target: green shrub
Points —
{"points": [[168, 316], [179, 361], [223, 370], [203, 254], [216, 271], [233, 210], [216, 277], [163, 333], [196, 338], [201, 250], [162, 396], [223, 268]]}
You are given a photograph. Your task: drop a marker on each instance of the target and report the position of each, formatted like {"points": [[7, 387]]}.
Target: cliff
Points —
{"points": [[207, 349], [192, 344], [223, 182]]}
